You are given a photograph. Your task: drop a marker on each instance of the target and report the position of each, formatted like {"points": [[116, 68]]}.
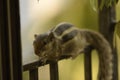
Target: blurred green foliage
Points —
{"points": [[80, 13], [107, 3], [117, 29]]}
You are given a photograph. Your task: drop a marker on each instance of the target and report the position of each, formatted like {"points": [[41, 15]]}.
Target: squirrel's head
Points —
{"points": [[43, 44]]}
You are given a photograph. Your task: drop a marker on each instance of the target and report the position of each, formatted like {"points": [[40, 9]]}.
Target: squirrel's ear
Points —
{"points": [[35, 36]]}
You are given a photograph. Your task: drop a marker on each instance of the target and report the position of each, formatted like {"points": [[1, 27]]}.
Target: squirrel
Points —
{"points": [[67, 40]]}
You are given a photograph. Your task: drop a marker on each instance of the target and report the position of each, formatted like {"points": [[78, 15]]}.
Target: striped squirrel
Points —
{"points": [[67, 40]]}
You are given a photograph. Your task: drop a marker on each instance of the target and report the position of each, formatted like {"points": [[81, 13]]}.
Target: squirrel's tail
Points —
{"points": [[104, 50]]}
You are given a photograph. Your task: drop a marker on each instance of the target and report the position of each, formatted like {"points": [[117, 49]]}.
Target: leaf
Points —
{"points": [[102, 4], [117, 29], [107, 3]]}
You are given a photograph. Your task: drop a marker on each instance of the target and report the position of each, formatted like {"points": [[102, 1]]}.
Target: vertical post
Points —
{"points": [[10, 45], [54, 71], [33, 74], [4, 44], [13, 16], [88, 63], [0, 63], [107, 18]]}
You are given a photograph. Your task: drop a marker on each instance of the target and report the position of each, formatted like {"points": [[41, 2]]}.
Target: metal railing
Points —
{"points": [[54, 73]]}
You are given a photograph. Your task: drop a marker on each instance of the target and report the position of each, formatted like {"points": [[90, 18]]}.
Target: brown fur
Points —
{"points": [[52, 47]]}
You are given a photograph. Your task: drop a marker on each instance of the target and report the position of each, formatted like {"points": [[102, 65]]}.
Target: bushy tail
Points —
{"points": [[104, 52]]}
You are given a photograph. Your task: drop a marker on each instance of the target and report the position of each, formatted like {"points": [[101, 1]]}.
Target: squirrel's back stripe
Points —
{"points": [[69, 36], [61, 28]]}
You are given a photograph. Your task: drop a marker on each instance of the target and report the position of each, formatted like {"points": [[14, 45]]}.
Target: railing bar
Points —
{"points": [[33, 74], [38, 63], [54, 75], [87, 64]]}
